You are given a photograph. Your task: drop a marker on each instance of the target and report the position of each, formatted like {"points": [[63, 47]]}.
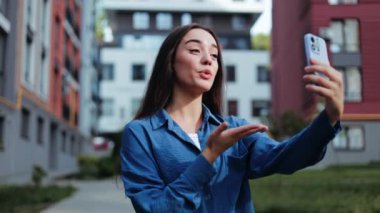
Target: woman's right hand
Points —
{"points": [[223, 138]]}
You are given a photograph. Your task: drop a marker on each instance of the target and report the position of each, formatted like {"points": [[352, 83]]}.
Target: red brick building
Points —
{"points": [[352, 31], [65, 60]]}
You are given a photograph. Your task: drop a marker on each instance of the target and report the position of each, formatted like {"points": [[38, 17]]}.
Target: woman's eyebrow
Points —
{"points": [[199, 42]]}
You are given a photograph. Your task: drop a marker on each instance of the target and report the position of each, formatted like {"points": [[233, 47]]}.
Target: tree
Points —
{"points": [[261, 41]]}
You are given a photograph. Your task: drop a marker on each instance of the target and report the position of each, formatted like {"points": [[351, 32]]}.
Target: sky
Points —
{"points": [[264, 23]]}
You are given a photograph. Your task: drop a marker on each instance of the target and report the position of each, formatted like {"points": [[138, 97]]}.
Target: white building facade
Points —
{"points": [[139, 28]]}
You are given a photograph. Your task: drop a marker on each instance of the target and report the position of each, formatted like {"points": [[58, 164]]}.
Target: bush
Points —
{"points": [[287, 125], [106, 167], [93, 168], [87, 167], [37, 175]]}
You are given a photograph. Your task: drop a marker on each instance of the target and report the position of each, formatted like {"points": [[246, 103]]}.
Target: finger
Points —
{"points": [[316, 62], [320, 90], [237, 131], [250, 132], [328, 71], [320, 81], [223, 126]]}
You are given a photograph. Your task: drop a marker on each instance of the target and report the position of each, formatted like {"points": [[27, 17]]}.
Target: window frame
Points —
{"points": [[347, 147], [25, 123]]}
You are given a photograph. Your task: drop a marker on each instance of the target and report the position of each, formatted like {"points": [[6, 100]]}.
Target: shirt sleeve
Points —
{"points": [[304, 149], [145, 188]]}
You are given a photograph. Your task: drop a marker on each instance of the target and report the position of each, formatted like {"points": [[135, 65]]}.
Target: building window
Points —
{"points": [[186, 19], [40, 130], [140, 20], [28, 54], [231, 74], [138, 72], [25, 119], [44, 21], [232, 107], [164, 21], [29, 12], [107, 105], [352, 84], [3, 37], [2, 127], [135, 105], [351, 138], [241, 43], [263, 74], [63, 144], [108, 72], [72, 145], [344, 36], [238, 22], [260, 108], [335, 2]]}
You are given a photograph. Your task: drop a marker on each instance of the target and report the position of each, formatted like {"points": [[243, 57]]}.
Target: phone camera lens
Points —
{"points": [[312, 39]]}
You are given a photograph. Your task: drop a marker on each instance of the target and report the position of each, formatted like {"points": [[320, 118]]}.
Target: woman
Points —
{"points": [[181, 155]]}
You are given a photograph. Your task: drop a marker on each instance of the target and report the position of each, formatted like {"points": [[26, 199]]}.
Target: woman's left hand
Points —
{"points": [[331, 88]]}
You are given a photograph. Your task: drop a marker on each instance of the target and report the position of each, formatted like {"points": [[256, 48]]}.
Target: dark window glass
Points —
{"points": [[233, 107], [25, 118], [108, 72], [231, 74], [40, 130], [72, 145], [2, 127], [263, 74], [260, 108], [63, 144], [138, 72]]}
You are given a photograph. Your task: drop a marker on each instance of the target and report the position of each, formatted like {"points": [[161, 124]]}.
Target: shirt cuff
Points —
{"points": [[200, 172], [322, 127]]}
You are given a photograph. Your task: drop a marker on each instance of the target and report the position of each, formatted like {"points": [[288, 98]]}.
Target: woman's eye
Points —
{"points": [[194, 51], [214, 56]]}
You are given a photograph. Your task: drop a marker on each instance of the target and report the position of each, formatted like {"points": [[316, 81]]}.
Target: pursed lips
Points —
{"points": [[205, 74]]}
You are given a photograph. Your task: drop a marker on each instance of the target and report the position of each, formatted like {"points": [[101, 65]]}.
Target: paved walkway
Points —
{"points": [[94, 196]]}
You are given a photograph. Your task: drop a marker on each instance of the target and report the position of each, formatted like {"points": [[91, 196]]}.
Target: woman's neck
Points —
{"points": [[186, 110]]}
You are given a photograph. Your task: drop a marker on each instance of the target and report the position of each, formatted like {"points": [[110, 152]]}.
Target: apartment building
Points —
{"points": [[351, 29], [39, 99], [138, 29]]}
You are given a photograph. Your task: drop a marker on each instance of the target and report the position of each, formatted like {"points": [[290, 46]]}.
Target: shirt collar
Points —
{"points": [[162, 116]]}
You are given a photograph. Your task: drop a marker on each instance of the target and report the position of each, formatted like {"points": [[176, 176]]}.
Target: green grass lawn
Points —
{"points": [[30, 198], [336, 189]]}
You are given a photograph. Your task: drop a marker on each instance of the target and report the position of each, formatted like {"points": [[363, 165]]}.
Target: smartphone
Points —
{"points": [[315, 48]]}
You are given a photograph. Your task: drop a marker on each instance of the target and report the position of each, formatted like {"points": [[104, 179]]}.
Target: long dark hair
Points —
{"points": [[160, 87]]}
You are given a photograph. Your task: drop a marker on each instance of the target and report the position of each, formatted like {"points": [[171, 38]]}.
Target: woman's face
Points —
{"points": [[196, 61]]}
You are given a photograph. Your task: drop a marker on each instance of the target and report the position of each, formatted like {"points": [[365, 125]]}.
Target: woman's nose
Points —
{"points": [[206, 59]]}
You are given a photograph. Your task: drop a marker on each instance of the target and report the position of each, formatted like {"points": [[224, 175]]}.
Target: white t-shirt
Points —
{"points": [[195, 139]]}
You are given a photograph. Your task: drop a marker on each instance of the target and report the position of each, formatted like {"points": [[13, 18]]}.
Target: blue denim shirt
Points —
{"points": [[163, 171]]}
